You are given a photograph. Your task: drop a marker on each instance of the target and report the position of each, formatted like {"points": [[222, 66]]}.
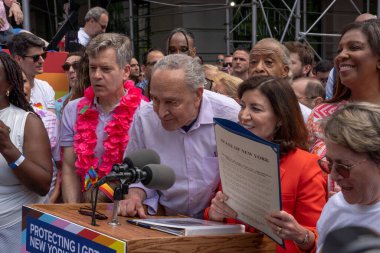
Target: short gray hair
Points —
{"points": [[95, 13], [357, 127], [194, 75], [119, 42]]}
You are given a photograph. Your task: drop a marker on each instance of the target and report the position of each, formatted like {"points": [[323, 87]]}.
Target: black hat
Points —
{"points": [[352, 239]]}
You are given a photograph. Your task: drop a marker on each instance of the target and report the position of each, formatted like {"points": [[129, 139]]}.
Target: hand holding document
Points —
{"points": [[250, 174]]}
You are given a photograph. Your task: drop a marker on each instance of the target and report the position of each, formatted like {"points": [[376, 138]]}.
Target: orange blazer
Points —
{"points": [[303, 192]]}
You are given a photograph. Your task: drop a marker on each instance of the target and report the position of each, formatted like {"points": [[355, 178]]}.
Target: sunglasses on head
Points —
{"points": [[36, 57], [342, 169], [66, 66]]}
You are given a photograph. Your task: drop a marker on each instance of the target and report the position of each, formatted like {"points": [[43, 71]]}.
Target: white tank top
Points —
{"points": [[13, 194]]}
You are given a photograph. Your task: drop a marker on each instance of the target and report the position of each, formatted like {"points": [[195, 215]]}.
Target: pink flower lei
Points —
{"points": [[117, 130]]}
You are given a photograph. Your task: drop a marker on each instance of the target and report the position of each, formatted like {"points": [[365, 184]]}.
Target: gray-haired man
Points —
{"points": [[96, 23], [178, 125]]}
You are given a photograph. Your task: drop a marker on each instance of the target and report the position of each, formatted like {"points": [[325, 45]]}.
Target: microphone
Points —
{"points": [[153, 176], [158, 177], [139, 159]]}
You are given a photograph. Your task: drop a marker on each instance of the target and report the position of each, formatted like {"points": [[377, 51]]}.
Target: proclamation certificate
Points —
{"points": [[250, 174]]}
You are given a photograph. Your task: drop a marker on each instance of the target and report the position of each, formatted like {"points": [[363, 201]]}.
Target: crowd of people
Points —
{"points": [[56, 150]]}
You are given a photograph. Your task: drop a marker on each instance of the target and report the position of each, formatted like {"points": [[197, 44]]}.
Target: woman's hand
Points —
{"points": [[219, 210], [286, 227]]}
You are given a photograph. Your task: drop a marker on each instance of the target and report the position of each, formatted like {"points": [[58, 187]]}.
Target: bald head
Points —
{"points": [[269, 57], [309, 91], [364, 17]]}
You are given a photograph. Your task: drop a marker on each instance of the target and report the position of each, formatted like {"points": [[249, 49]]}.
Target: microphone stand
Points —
{"points": [[117, 196], [94, 202]]}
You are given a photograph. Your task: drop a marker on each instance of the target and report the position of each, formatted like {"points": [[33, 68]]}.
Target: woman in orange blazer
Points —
{"points": [[270, 110]]}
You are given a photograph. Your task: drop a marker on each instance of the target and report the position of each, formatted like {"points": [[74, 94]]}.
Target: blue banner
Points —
{"points": [[44, 237]]}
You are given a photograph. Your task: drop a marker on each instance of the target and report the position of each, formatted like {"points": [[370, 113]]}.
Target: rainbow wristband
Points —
{"points": [[17, 163]]}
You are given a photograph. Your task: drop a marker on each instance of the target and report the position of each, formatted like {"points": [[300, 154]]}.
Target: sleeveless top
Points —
{"points": [[13, 194]]}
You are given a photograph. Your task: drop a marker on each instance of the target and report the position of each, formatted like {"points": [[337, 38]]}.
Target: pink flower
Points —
{"points": [[117, 129]]}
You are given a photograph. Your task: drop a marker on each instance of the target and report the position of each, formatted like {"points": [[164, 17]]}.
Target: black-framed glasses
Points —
{"points": [[88, 212], [36, 57], [66, 66], [342, 169]]}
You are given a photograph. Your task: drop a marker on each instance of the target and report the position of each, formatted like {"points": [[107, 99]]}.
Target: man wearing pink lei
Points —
{"points": [[94, 131]]}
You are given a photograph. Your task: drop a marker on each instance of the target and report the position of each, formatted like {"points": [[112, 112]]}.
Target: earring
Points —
{"points": [[7, 93]]}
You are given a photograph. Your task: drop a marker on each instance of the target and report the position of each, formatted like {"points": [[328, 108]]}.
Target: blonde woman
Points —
{"points": [[226, 84]]}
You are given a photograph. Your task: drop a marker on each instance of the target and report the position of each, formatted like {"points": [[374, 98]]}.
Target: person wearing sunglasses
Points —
{"points": [[227, 64], [70, 67], [352, 137], [220, 61], [96, 22], [28, 51]]}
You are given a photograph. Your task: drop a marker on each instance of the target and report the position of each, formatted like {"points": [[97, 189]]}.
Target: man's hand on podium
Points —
{"points": [[133, 204]]}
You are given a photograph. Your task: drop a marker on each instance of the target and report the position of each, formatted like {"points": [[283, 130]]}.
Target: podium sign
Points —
{"points": [[42, 232]]}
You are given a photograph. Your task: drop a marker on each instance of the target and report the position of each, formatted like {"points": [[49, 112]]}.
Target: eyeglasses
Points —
{"points": [[66, 66], [102, 26], [227, 64], [219, 60], [342, 169], [36, 57], [88, 212]]}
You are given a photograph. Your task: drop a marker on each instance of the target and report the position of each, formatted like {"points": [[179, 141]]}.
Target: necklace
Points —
{"points": [[85, 138]]}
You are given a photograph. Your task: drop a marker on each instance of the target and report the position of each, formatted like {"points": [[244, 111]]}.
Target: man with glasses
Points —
{"points": [[150, 58], [227, 64], [309, 91], [96, 23], [28, 51]]}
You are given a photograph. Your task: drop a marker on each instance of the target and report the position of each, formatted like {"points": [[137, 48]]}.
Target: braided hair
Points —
{"points": [[14, 78]]}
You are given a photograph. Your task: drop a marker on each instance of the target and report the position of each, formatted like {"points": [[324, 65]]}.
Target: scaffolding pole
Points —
{"points": [[131, 25], [254, 22], [26, 12], [227, 28]]}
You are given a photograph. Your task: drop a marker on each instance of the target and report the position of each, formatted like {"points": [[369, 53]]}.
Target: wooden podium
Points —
{"points": [[59, 228]]}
